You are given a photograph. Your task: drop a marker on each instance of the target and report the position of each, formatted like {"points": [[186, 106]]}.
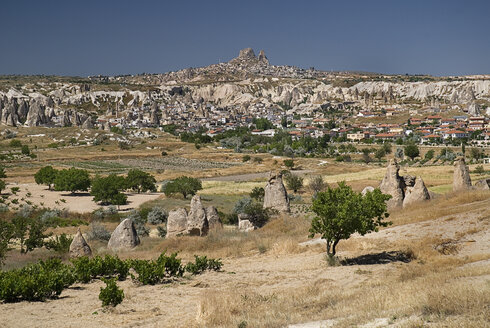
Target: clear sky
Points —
{"points": [[88, 37]]}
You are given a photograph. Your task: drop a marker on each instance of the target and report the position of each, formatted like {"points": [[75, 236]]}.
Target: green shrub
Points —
{"points": [[111, 294], [202, 263], [153, 272], [60, 244], [86, 269], [35, 282]]}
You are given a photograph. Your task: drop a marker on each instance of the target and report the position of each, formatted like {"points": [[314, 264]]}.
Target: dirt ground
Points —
{"points": [[183, 303], [80, 202]]}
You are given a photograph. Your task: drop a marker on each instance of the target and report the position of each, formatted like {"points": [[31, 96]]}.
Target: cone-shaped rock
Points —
{"points": [[392, 184], [483, 184], [212, 216], [124, 236], [79, 246], [197, 223], [416, 193], [177, 222], [461, 180], [275, 196]]}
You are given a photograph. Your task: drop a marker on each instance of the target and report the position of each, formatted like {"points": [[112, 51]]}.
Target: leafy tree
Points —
{"points": [[263, 123], [46, 175], [380, 153], [25, 150], [30, 232], [246, 158], [257, 193], [183, 185], [476, 153], [294, 182], [140, 181], [479, 170], [317, 184], [341, 212], [14, 143], [257, 214], [72, 180], [412, 151], [289, 163], [387, 148], [2, 186], [157, 215], [2, 173], [7, 233], [429, 155], [108, 189]]}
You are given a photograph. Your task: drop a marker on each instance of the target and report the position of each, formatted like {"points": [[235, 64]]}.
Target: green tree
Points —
{"points": [[317, 184], [380, 153], [25, 150], [294, 182], [429, 155], [289, 163], [30, 232], [182, 185], [7, 231], [257, 193], [140, 181], [2, 173], [108, 189], [479, 170], [2, 186], [46, 176], [341, 212], [72, 180], [412, 151]]}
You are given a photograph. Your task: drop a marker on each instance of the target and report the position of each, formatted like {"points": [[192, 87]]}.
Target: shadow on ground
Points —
{"points": [[379, 258]]}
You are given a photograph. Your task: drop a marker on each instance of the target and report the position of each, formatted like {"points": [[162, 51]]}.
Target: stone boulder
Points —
{"points": [[177, 222], [276, 196], [124, 237], [244, 223], [417, 193], [197, 223], [393, 185], [366, 190], [483, 184], [212, 216], [79, 246], [461, 177]]}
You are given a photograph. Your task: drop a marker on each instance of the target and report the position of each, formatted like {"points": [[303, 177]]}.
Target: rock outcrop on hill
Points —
{"points": [[197, 222], [79, 246], [417, 193], [276, 196], [244, 223], [124, 236], [393, 184], [213, 218], [483, 184], [177, 222], [404, 190], [461, 177]]}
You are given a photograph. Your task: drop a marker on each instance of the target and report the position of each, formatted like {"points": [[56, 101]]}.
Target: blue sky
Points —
{"points": [[129, 37]]}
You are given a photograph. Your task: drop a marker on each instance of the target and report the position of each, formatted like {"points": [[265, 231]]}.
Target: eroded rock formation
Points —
{"points": [[276, 196]]}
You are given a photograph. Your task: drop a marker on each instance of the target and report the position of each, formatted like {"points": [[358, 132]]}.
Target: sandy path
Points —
{"points": [[81, 203]]}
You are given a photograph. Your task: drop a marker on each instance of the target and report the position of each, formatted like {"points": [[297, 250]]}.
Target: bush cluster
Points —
{"points": [[47, 279]]}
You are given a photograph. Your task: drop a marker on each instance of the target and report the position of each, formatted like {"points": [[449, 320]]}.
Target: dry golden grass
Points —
{"points": [[449, 204]]}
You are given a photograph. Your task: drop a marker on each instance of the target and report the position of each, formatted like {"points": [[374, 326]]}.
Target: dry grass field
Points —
{"points": [[431, 268]]}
